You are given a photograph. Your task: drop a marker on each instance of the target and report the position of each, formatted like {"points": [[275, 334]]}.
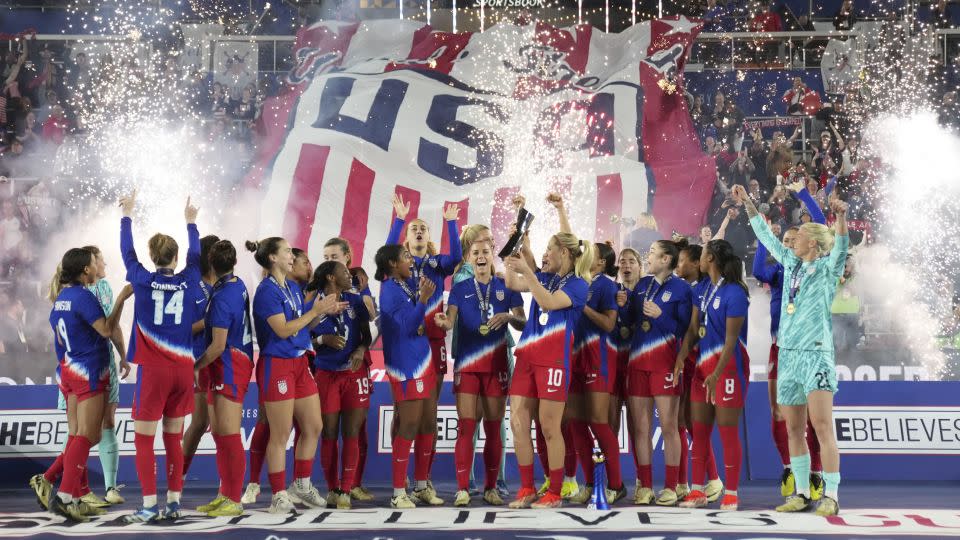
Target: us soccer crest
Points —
{"points": [[433, 262], [501, 295], [282, 387], [419, 385], [666, 296], [350, 312], [716, 303]]}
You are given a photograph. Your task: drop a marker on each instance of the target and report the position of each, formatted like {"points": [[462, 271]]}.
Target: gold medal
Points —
{"points": [[703, 332], [484, 330], [624, 332], [645, 326], [544, 317], [791, 309], [420, 330]]}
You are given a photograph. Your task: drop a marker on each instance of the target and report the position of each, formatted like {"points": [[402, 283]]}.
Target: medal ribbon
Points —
{"points": [[705, 303], [647, 296], [795, 278], [483, 299], [288, 296]]}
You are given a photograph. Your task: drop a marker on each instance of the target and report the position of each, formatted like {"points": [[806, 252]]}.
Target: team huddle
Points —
{"points": [[662, 334]]}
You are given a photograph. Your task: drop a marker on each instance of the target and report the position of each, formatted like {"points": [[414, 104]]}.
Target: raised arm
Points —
{"points": [[401, 209], [448, 263], [780, 252], [129, 253], [193, 236], [816, 214], [557, 201], [765, 273]]}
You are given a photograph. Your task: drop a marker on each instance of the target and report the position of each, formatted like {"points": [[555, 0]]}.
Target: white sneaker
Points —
{"points": [[402, 502], [250, 494], [308, 496], [281, 503]]}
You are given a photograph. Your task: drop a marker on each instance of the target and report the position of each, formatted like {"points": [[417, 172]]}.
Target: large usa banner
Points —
{"points": [[392, 107]]}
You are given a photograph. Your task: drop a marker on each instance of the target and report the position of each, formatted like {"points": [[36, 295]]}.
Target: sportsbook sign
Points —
{"points": [[897, 430]]}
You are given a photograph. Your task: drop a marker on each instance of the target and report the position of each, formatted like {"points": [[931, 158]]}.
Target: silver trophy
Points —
{"points": [[515, 244]]}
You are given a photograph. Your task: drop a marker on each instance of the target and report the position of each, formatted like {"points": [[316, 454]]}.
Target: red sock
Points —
{"points": [[779, 429], [146, 462], [328, 462], [56, 468], [711, 460], [401, 457], [670, 480], [278, 480], [222, 460], [302, 468], [74, 464], [362, 457], [556, 481], [645, 475], [611, 452], [684, 456], [258, 450], [231, 483], [423, 450], [583, 444], [463, 451], [526, 476], [814, 445], [492, 451], [701, 450], [84, 483], [570, 450], [542, 449], [349, 457], [173, 446], [730, 437]]}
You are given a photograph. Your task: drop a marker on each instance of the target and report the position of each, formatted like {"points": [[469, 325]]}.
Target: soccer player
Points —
{"points": [[662, 306], [161, 344], [409, 363], [81, 331], [341, 344], [806, 371], [481, 309], [719, 387], [538, 389], [229, 361], [287, 388]]}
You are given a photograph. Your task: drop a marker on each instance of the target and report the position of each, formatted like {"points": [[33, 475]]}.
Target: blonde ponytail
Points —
{"points": [[821, 234], [55, 285], [581, 251]]}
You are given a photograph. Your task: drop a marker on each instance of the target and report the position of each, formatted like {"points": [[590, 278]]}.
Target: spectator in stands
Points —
{"points": [[742, 169], [50, 101], [940, 17], [850, 157], [55, 128], [826, 156], [715, 17], [13, 339], [949, 114], [245, 107], [29, 135], [754, 191], [844, 20], [800, 99], [78, 77], [781, 204], [697, 113], [14, 162], [11, 228], [219, 101], [765, 20]]}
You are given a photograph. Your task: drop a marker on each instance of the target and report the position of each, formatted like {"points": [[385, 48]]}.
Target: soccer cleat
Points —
{"points": [[144, 515], [70, 510], [729, 502], [502, 489], [582, 496], [713, 490], [787, 482], [343, 501], [427, 496], [816, 486], [614, 495], [113, 495], [525, 497], [492, 497], [682, 491], [43, 489], [93, 501], [361, 493], [281, 503], [250, 494], [569, 489], [828, 507], [643, 495], [545, 486], [227, 509], [307, 496], [212, 505], [89, 510], [695, 499], [462, 498], [172, 511], [402, 502], [667, 497], [795, 503], [332, 498], [549, 500]]}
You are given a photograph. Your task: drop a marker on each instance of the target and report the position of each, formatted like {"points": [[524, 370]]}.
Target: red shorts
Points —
{"points": [[772, 362], [281, 379], [72, 384], [230, 379], [438, 355], [689, 367], [343, 390], [413, 389], [539, 382], [204, 381], [163, 391], [620, 376], [583, 383], [731, 388], [642, 383], [481, 384]]}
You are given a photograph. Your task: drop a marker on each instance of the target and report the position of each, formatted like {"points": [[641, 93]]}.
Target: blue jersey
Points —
{"points": [[728, 301], [78, 346], [406, 349], [162, 317], [436, 268], [656, 341], [230, 309], [475, 352], [200, 298], [347, 325], [271, 299], [772, 275], [623, 334], [547, 339], [593, 347]]}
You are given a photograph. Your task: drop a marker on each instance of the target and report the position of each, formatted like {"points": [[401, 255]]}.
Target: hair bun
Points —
{"points": [[252, 246]]}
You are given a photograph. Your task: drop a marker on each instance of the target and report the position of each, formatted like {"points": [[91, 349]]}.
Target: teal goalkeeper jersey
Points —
{"points": [[810, 327]]}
